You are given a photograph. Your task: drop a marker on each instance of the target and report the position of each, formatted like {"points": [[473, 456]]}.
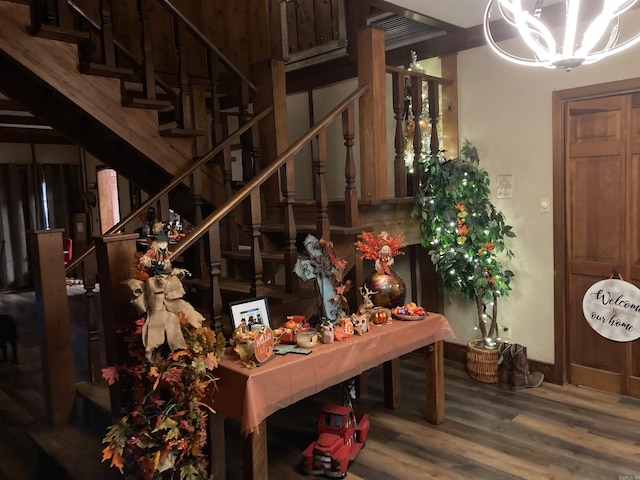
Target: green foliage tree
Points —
{"points": [[464, 233]]}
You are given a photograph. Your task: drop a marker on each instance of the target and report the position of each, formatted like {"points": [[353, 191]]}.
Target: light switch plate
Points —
{"points": [[504, 186]]}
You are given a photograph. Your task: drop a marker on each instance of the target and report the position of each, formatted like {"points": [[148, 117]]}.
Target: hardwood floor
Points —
{"points": [[551, 432]]}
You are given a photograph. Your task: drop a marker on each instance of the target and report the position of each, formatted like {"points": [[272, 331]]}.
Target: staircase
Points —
{"points": [[68, 69]]}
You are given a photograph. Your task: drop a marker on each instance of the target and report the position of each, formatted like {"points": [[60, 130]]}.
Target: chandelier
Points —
{"points": [[585, 40]]}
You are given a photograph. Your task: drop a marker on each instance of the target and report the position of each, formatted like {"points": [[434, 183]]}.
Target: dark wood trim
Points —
{"points": [[560, 100], [418, 17]]}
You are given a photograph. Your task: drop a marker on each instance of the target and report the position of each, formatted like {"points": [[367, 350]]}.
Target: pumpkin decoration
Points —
{"points": [[380, 316]]}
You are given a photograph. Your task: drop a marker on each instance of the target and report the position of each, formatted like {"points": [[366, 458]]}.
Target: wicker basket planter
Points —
{"points": [[482, 363]]}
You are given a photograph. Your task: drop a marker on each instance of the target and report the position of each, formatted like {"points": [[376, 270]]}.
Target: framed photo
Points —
{"points": [[253, 311]]}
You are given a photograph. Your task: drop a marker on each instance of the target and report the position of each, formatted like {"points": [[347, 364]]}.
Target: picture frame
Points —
{"points": [[252, 311]]}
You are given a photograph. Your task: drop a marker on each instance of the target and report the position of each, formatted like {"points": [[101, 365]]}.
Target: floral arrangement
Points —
{"points": [[335, 272], [381, 248], [464, 232], [163, 434]]}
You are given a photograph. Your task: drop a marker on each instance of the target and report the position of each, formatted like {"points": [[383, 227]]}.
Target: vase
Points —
{"points": [[390, 287]]}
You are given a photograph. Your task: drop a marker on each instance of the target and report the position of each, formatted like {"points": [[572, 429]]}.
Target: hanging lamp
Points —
{"points": [[586, 40]]}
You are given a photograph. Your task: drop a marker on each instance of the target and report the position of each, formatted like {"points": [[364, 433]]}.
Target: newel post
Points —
{"points": [[115, 255], [52, 319], [372, 114]]}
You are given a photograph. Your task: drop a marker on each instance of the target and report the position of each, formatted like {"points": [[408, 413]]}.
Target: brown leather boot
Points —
{"points": [[522, 377], [505, 366]]}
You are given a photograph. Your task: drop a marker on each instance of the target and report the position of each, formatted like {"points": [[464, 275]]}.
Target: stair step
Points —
{"points": [[312, 228], [146, 103], [235, 287], [74, 451], [101, 70], [171, 130], [58, 33], [245, 255]]}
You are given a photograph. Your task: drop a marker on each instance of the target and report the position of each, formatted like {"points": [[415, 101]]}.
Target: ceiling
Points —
{"points": [[462, 13]]}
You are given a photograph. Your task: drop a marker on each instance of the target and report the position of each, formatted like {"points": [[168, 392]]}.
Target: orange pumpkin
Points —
{"points": [[379, 316], [291, 325]]}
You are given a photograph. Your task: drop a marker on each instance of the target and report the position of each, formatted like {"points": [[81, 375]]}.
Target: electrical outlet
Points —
{"points": [[505, 332]]}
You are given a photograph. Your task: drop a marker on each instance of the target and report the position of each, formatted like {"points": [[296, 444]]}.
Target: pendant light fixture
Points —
{"points": [[586, 40]]}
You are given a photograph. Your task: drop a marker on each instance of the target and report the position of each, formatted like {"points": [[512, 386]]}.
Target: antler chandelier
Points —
{"points": [[585, 41]]}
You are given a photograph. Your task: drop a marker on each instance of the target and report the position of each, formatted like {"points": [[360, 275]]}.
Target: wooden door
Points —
{"points": [[602, 231]]}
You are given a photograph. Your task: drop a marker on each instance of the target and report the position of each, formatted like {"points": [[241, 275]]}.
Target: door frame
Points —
{"points": [[560, 99]]}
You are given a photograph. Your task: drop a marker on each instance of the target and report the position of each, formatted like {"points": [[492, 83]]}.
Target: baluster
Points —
{"points": [[416, 110], [287, 179], [185, 117], [245, 138], [322, 201], [215, 272], [106, 40], [37, 12], [350, 194], [216, 115], [434, 114], [227, 178], [257, 286], [148, 69], [399, 168]]}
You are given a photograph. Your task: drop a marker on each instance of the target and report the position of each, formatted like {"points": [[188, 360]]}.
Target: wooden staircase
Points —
{"points": [[247, 234]]}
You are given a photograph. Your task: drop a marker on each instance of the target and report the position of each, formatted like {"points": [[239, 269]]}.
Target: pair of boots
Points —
{"points": [[513, 368]]}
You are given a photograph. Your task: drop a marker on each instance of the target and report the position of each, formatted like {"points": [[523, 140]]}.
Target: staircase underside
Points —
{"points": [[43, 75]]}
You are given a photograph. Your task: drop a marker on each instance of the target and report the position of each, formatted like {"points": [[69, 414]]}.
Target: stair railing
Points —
{"points": [[179, 179], [408, 91]]}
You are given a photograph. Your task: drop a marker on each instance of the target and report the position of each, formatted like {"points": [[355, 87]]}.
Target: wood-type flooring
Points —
{"points": [[550, 432]]}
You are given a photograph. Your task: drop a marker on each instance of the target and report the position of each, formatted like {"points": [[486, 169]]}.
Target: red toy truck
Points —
{"points": [[341, 436]]}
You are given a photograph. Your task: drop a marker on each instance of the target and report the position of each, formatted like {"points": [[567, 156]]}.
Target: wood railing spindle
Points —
{"points": [[416, 110], [350, 193], [322, 199], [399, 167]]}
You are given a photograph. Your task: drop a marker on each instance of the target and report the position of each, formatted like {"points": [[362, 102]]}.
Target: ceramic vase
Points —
{"points": [[390, 287]]}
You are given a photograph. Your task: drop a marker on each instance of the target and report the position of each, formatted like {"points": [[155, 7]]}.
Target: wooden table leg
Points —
{"points": [[255, 465], [391, 375], [434, 378], [217, 446]]}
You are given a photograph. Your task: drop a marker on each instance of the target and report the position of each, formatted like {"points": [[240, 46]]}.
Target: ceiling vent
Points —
{"points": [[401, 31]]}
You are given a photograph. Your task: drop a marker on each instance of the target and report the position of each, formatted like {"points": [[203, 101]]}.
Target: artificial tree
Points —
{"points": [[464, 232]]}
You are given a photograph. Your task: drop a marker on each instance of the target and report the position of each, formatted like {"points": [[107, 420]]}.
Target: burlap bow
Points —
{"points": [[161, 298]]}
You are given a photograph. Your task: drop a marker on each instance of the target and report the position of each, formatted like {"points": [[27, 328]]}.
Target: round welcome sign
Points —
{"points": [[612, 308]]}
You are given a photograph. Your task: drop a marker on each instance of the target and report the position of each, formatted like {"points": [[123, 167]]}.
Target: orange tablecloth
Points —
{"points": [[251, 395]]}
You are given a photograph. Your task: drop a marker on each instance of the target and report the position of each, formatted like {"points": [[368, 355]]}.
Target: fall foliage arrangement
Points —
{"points": [[167, 395], [381, 248]]}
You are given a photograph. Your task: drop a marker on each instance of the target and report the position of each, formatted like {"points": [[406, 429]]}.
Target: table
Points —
{"points": [[251, 395]]}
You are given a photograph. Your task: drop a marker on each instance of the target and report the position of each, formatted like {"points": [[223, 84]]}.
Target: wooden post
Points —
{"points": [[115, 254], [372, 114], [391, 379], [269, 77], [52, 319], [255, 455], [434, 379], [450, 135]]}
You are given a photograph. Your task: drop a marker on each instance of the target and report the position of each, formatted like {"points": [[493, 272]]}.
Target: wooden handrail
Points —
{"points": [[423, 76], [177, 180], [194, 30], [269, 170]]}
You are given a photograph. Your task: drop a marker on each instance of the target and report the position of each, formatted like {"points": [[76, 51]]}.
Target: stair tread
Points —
{"points": [[99, 69], [151, 104], [170, 130], [61, 34], [312, 228], [275, 293], [271, 257], [74, 449]]}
